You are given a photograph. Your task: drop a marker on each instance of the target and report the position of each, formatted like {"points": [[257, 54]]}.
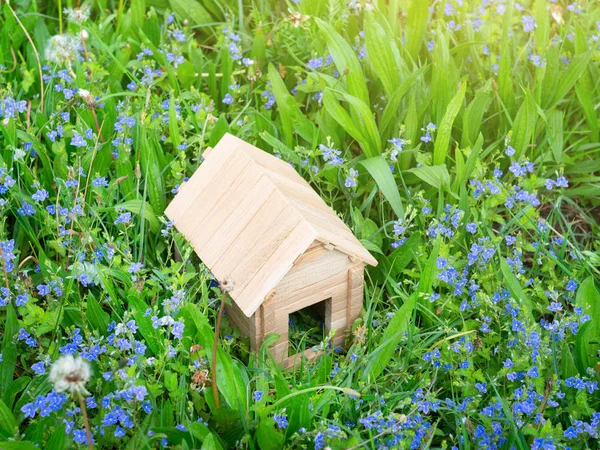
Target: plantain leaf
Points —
{"points": [[383, 54], [381, 173], [436, 176], [514, 286], [416, 27], [442, 141], [345, 61]]}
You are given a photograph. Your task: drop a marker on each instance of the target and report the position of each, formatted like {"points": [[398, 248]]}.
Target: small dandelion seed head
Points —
{"points": [[226, 285], [61, 49], [86, 96], [78, 15], [70, 373]]}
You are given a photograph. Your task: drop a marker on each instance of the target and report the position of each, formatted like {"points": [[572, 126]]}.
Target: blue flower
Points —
{"points": [[39, 368], [26, 209], [481, 387], [78, 140], [281, 420], [40, 195], [472, 228]]}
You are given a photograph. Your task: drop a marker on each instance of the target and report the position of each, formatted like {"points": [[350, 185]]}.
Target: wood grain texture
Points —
{"points": [[253, 219]]}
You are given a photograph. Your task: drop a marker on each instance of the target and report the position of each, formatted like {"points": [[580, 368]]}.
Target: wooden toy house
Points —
{"points": [[253, 220]]}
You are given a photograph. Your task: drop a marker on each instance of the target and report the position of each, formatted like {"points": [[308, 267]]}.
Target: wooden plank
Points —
{"points": [[245, 255], [220, 234], [356, 277], [305, 198], [355, 293], [227, 204], [323, 289], [201, 203], [328, 265], [280, 351], [238, 318], [265, 159], [313, 253], [296, 359], [316, 297], [282, 175], [275, 267], [204, 176]]}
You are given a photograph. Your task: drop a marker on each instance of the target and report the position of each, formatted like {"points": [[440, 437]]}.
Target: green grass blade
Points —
{"points": [[442, 141], [381, 173]]}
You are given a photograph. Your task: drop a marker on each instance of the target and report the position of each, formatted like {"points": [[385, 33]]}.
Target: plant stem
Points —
{"points": [[85, 421], [213, 362], [60, 28], [4, 268], [35, 52]]}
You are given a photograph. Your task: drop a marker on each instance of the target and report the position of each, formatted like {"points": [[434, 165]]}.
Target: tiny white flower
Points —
{"points": [[69, 373], [166, 321]]}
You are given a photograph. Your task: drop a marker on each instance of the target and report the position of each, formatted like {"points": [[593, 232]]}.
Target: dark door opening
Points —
{"points": [[307, 326]]}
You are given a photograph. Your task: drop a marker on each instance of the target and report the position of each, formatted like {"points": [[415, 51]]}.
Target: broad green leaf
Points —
{"points": [[58, 440], [211, 443], [524, 126], [416, 27], [390, 115], [444, 78], [591, 116], [464, 174], [267, 436], [345, 60], [341, 116], [514, 286], [381, 356], [568, 79], [366, 123], [191, 10], [17, 445], [8, 422], [588, 337], [542, 21], [444, 133], [142, 209], [219, 130], [381, 173], [505, 73], [403, 255], [98, 318], [474, 115], [436, 176], [229, 380], [150, 149], [292, 118], [555, 133], [285, 104], [383, 54]]}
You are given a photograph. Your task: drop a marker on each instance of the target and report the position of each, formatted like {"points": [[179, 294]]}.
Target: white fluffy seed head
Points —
{"points": [[61, 49], [69, 373]]}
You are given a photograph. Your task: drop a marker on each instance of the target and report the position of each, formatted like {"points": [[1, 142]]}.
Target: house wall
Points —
{"points": [[319, 274], [245, 324]]}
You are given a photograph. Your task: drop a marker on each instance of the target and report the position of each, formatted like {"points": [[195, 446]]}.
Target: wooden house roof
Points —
{"points": [[249, 215]]}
